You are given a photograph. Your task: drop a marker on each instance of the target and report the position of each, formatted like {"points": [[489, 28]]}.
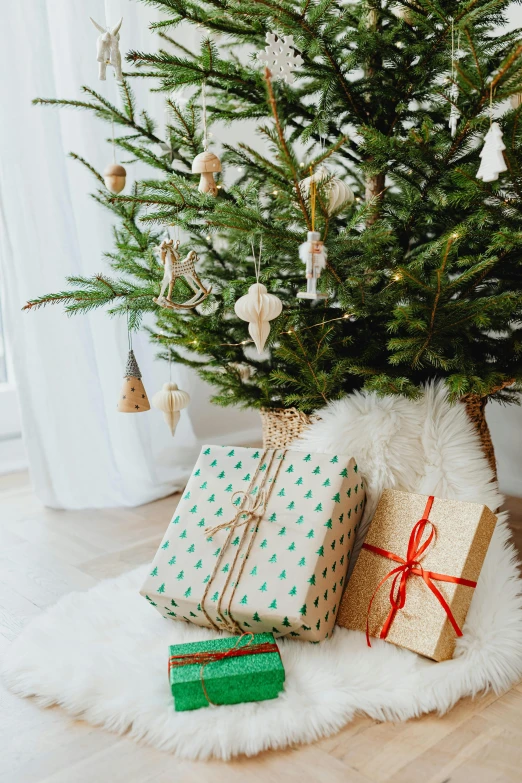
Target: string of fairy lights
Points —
{"points": [[198, 343]]}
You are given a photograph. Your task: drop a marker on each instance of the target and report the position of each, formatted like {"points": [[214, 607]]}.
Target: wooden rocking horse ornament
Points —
{"points": [[174, 267]]}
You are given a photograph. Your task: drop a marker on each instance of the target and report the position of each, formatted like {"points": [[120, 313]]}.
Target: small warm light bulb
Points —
{"points": [[275, 192], [346, 315], [219, 187], [455, 235], [397, 276]]}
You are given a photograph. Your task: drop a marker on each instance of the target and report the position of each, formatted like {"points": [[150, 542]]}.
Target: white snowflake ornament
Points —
{"points": [[493, 162], [281, 57]]}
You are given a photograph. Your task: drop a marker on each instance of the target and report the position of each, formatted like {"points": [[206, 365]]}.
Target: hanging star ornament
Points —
{"points": [[281, 57]]}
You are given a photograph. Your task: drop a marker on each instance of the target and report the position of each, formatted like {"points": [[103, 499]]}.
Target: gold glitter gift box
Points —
{"points": [[414, 579]]}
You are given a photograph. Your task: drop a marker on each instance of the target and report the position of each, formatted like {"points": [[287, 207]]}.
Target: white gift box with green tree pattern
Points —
{"points": [[287, 522]]}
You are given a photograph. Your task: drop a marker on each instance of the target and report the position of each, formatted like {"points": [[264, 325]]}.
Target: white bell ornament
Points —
{"points": [[171, 400], [258, 307], [338, 192]]}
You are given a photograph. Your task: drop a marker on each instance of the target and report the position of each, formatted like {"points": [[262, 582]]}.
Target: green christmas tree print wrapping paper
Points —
{"points": [[294, 574], [253, 677]]}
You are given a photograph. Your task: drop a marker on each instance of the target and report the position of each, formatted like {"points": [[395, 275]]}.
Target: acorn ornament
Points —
{"points": [[338, 193], [114, 177], [171, 400], [258, 307], [206, 164], [133, 397]]}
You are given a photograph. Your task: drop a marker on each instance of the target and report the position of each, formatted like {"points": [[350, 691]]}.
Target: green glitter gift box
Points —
{"points": [[225, 671]]}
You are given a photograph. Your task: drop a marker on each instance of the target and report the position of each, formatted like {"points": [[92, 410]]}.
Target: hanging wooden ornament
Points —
{"points": [[339, 194], [114, 177], [493, 162], [108, 50], [258, 307], [206, 163], [133, 397], [312, 253], [175, 267], [171, 400]]}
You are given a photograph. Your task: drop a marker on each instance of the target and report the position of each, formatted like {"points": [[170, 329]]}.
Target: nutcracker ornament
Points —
{"points": [[312, 253]]}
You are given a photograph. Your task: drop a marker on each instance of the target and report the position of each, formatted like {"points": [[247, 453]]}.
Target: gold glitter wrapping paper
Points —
{"points": [[464, 531]]}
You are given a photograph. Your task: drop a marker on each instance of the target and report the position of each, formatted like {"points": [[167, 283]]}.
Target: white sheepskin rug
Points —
{"points": [[102, 654]]}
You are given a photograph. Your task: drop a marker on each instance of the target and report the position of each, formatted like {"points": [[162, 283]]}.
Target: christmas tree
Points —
{"points": [[423, 273]]}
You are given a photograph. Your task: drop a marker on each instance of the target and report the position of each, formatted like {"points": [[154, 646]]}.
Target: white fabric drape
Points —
{"points": [[82, 452]]}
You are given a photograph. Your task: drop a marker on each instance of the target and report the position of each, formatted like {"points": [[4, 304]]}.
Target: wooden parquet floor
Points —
{"points": [[45, 554]]}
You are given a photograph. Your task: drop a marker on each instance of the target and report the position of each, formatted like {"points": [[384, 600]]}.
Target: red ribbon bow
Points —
{"points": [[409, 567]]}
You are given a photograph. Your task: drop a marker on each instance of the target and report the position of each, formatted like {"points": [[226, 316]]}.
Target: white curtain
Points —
{"points": [[82, 452]]}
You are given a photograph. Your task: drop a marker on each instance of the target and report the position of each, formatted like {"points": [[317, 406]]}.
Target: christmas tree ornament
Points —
{"points": [[313, 254], [258, 307], [493, 162], [281, 57], [338, 192], [454, 89], [174, 268], [171, 400], [114, 177], [133, 397], [245, 371], [206, 164], [108, 50]]}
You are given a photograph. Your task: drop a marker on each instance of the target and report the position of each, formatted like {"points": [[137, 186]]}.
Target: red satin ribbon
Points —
{"points": [[409, 567]]}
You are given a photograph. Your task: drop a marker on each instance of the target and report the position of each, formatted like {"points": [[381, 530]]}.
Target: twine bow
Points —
{"points": [[411, 566], [250, 508], [204, 657]]}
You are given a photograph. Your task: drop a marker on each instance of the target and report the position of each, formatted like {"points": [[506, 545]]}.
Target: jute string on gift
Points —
{"points": [[204, 657], [249, 511], [412, 567]]}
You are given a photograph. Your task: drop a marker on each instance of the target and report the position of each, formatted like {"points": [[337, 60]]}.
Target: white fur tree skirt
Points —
{"points": [[102, 654]]}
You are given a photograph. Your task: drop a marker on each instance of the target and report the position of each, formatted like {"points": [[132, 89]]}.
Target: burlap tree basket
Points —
{"points": [[283, 425]]}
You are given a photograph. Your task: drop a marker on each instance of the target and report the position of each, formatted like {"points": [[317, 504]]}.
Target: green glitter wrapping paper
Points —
{"points": [[254, 677]]}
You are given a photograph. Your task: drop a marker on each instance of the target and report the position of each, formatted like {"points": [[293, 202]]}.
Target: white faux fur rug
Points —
{"points": [[102, 654]]}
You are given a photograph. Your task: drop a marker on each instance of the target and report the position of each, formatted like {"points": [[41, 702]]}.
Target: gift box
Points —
{"points": [[260, 542], [225, 671], [414, 578]]}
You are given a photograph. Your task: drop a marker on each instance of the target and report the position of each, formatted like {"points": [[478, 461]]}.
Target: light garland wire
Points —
{"points": [[246, 342]]}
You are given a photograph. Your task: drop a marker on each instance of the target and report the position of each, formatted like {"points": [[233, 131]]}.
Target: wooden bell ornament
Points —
{"points": [[133, 397], [114, 177], [206, 164]]}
